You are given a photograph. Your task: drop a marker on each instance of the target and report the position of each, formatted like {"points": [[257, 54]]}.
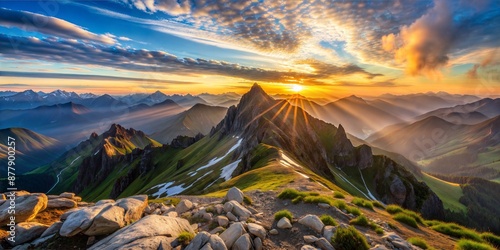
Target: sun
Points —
{"points": [[297, 88]]}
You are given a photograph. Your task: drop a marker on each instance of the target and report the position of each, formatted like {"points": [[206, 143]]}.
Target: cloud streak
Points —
{"points": [[49, 25], [73, 52]]}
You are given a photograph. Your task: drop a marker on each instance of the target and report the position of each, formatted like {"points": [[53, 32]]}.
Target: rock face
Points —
{"points": [[27, 207], [80, 220], [234, 194], [28, 231], [144, 230]]}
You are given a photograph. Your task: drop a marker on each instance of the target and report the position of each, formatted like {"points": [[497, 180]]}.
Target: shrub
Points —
{"points": [[491, 238], [297, 199], [185, 237], [431, 223], [360, 221], [406, 219], [247, 200], [457, 231], [289, 194], [349, 239], [353, 210], [338, 195], [328, 220], [419, 242], [393, 209], [415, 216], [360, 202], [379, 230], [340, 204], [283, 213], [464, 244], [378, 204]]}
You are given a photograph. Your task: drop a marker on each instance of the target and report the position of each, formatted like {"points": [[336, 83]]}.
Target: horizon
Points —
{"points": [[365, 49]]}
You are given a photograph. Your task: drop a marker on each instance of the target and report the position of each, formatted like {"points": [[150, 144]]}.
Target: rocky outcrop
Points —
{"points": [[28, 231], [183, 141], [27, 206], [143, 231]]}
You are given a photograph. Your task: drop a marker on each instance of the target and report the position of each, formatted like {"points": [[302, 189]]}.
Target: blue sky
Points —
{"points": [[194, 46]]}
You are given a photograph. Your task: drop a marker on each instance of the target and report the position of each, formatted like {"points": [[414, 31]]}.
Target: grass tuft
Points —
{"points": [[185, 237], [378, 204], [349, 239], [406, 219], [360, 202], [328, 220], [419, 242], [340, 204], [353, 210], [247, 200], [283, 213], [393, 209], [379, 230], [338, 195], [318, 199], [457, 231], [491, 238], [360, 221], [465, 244]]}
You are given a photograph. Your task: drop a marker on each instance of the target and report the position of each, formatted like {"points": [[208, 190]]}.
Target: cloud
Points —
{"points": [[74, 52], [489, 65], [382, 84], [83, 77], [49, 25], [13, 84]]}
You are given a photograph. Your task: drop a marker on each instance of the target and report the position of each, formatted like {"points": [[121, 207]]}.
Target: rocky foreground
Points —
{"points": [[133, 223]]}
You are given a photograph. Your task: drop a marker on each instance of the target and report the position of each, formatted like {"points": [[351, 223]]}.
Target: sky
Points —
{"points": [[320, 48]]}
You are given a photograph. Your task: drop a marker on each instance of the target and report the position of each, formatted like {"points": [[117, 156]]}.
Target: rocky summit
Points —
{"points": [[240, 220]]}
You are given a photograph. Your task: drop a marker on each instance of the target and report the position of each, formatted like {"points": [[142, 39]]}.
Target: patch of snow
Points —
{"points": [[97, 152], [228, 170], [166, 190], [216, 159]]}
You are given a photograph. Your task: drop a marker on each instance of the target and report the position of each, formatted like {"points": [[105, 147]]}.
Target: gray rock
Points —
{"points": [[397, 241], [232, 234], [379, 247], [67, 213], [234, 194], [207, 247], [222, 220], [106, 201], [184, 206], [53, 229], [239, 210], [228, 207], [324, 205], [256, 230], [67, 195], [310, 239], [217, 243], [146, 228], [134, 207], [219, 208], [284, 223], [329, 231], [155, 242], [231, 216], [198, 241], [307, 247], [273, 231], [27, 207], [217, 230], [313, 222], [80, 220], [244, 242], [52, 196], [61, 203], [28, 231], [107, 221], [257, 244], [172, 214], [324, 244]]}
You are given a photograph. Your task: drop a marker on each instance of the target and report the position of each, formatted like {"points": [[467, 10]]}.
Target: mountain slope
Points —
{"points": [[447, 148], [470, 113], [198, 119], [32, 149]]}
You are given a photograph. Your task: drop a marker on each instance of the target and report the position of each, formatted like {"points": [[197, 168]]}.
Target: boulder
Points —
{"points": [[228, 207], [134, 207], [324, 244], [27, 207], [198, 241], [232, 234], [256, 230], [273, 231], [28, 231], [324, 205], [52, 196], [184, 206], [147, 228], [106, 201], [234, 194], [67, 213], [329, 231], [310, 238], [67, 195], [257, 244], [244, 242], [379, 247], [80, 220], [313, 222], [307, 247], [61, 203], [397, 241], [222, 220], [53, 229], [172, 214], [239, 210], [155, 242], [107, 221], [284, 223], [231, 216]]}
